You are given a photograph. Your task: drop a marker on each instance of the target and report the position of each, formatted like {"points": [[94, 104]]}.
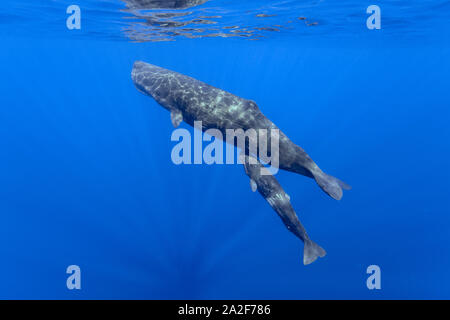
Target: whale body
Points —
{"points": [[268, 186], [189, 100]]}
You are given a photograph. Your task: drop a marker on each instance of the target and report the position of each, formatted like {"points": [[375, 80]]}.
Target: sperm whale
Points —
{"points": [[190, 100], [279, 200]]}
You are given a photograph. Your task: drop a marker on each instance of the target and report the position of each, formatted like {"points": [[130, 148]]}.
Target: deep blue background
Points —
{"points": [[86, 176]]}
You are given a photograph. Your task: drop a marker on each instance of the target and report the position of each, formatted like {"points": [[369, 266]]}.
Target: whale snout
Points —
{"points": [[139, 65], [137, 71], [141, 74], [145, 77]]}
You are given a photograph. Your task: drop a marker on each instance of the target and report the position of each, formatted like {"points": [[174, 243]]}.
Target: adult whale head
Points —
{"points": [[188, 99]]}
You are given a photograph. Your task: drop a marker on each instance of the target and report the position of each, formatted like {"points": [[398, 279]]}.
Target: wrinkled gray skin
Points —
{"points": [[163, 4], [268, 186], [191, 100]]}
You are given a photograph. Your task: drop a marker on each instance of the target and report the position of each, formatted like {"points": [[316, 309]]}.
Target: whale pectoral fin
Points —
{"points": [[331, 185], [176, 117], [253, 185]]}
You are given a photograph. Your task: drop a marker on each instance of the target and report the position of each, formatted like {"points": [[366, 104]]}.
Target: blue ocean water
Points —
{"points": [[87, 177]]}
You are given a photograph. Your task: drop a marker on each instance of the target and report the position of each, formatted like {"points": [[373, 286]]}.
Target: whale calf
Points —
{"points": [[280, 201], [190, 100]]}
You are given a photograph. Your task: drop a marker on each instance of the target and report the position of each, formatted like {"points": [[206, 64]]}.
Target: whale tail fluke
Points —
{"points": [[331, 185], [311, 252]]}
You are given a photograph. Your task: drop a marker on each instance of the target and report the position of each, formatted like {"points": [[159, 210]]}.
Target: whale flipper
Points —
{"points": [[253, 185], [311, 252], [176, 116], [331, 185]]}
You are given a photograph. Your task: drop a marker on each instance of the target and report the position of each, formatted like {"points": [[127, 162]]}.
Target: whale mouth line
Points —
{"points": [[141, 89], [139, 86]]}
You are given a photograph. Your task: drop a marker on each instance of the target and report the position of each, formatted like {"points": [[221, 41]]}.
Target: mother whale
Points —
{"points": [[189, 100]]}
